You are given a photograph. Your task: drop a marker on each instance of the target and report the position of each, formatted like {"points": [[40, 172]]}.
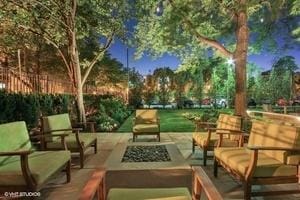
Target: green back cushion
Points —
{"points": [[146, 116], [14, 137], [274, 135], [56, 122], [230, 122]]}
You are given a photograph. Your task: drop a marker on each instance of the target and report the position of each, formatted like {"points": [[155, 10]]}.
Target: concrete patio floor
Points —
{"points": [[227, 186]]}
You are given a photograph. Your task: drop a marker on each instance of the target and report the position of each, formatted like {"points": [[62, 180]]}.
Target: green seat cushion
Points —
{"points": [[14, 137], [42, 165], [238, 159], [149, 193], [146, 128], [85, 138]]}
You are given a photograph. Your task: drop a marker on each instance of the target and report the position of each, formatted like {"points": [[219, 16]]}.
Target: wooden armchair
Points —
{"points": [[146, 122], [271, 157], [76, 141], [207, 141], [21, 167], [96, 187]]}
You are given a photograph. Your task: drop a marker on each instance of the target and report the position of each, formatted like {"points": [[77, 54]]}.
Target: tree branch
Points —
{"points": [[97, 57], [205, 40], [51, 42]]}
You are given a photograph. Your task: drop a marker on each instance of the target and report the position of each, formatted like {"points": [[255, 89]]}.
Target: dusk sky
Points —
{"points": [[147, 64]]}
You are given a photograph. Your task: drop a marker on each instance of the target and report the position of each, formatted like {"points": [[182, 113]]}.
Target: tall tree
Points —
{"points": [[181, 79], [164, 80], [149, 89], [221, 25], [135, 88], [63, 23]]}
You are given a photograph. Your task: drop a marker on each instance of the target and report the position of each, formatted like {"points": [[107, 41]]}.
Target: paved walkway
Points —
{"points": [[58, 189]]}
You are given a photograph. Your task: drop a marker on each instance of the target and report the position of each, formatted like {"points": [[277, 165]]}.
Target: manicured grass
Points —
{"points": [[171, 120]]}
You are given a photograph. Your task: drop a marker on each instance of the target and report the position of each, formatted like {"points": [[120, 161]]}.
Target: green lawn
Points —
{"points": [[171, 120]]}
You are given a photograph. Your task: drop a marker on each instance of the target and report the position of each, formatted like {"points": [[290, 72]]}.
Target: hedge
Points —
{"points": [[106, 110], [29, 107]]}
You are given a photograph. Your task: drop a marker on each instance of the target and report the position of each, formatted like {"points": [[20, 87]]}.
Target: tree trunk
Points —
{"points": [[240, 58], [76, 64]]}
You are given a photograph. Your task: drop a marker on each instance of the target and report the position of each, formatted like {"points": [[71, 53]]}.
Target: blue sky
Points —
{"points": [[146, 64]]}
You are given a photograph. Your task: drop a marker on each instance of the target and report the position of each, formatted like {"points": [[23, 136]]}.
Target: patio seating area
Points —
{"points": [[225, 184], [149, 100]]}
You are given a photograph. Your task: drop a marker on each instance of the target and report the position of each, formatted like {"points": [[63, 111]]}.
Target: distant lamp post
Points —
{"points": [[128, 77], [230, 63]]}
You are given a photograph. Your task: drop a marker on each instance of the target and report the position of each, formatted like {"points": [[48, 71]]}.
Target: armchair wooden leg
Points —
{"points": [[204, 156], [197, 189], [133, 138], [95, 147], [68, 171], [193, 146], [215, 168], [158, 137], [81, 154], [247, 190]]}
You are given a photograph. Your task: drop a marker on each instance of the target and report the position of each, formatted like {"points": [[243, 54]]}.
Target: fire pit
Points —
{"points": [[147, 165], [157, 153]]}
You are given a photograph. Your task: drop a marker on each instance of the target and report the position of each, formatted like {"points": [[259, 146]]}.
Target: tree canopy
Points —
{"points": [[63, 24], [227, 27]]}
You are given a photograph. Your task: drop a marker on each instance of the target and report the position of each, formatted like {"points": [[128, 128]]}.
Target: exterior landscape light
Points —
{"points": [[158, 9], [262, 20], [230, 61], [2, 85]]}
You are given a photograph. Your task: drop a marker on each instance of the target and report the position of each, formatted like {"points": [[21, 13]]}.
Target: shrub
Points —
{"points": [[29, 107], [108, 112]]}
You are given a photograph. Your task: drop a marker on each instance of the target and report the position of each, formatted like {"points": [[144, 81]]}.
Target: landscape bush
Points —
{"points": [[108, 112], [29, 107], [206, 115]]}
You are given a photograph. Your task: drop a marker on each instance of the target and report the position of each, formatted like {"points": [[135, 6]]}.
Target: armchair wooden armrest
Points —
{"points": [[48, 134], [24, 165], [93, 186], [240, 133], [203, 182], [91, 125], [16, 153], [254, 156], [272, 148], [41, 136], [68, 129]]}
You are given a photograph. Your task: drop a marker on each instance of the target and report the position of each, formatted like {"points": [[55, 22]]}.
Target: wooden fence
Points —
{"points": [[13, 82]]}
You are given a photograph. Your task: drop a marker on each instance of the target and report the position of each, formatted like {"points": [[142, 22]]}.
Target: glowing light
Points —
{"points": [[158, 9], [2, 85], [230, 61], [262, 20]]}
